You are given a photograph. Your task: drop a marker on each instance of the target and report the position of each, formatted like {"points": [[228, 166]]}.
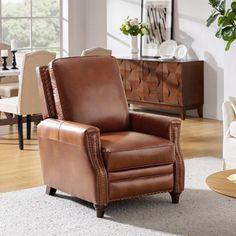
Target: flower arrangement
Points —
{"points": [[133, 27], [226, 20]]}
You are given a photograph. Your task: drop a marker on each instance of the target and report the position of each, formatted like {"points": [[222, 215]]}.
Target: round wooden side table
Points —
{"points": [[219, 183]]}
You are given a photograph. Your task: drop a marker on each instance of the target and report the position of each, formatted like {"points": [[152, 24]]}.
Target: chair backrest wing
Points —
{"points": [[46, 93]]}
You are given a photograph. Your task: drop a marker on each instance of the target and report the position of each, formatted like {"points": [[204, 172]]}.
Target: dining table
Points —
{"points": [[3, 74], [9, 72]]}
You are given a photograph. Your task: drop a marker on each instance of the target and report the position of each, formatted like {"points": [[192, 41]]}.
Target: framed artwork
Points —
{"points": [[159, 15]]}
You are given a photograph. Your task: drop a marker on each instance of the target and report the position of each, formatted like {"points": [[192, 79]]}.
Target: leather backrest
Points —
{"points": [[89, 90]]}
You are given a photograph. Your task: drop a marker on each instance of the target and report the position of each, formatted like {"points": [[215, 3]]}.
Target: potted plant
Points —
{"points": [[132, 27], [226, 20]]}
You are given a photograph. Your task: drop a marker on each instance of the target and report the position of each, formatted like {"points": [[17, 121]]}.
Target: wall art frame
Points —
{"points": [[159, 15]]}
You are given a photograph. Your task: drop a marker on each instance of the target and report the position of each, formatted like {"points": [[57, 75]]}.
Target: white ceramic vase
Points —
{"points": [[134, 46]]}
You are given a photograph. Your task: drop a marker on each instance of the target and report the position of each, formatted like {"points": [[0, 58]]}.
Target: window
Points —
{"points": [[34, 24]]}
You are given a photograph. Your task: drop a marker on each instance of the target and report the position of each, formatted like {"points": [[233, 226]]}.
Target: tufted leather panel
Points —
{"points": [[140, 172], [95, 96], [140, 186], [130, 150]]}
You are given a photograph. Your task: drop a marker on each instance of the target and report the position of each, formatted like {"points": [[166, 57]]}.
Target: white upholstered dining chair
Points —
{"points": [[8, 85], [27, 102], [98, 51], [229, 141]]}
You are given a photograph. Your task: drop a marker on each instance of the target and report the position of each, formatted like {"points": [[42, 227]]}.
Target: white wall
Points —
{"points": [[117, 11], [84, 25], [230, 75], [190, 29], [96, 23], [230, 68], [73, 27]]}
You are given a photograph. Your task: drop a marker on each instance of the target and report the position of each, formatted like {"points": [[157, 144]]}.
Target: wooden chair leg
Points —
{"points": [[50, 191], [28, 121], [100, 209], [20, 132], [175, 197], [183, 114], [200, 111]]}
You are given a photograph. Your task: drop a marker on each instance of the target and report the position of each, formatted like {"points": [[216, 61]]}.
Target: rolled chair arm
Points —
{"points": [[157, 125], [83, 145], [65, 131], [164, 127]]}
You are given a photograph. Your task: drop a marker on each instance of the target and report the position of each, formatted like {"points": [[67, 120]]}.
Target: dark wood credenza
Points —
{"points": [[173, 85]]}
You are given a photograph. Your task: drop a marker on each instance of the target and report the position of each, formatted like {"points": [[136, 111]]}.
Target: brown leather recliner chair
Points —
{"points": [[92, 147]]}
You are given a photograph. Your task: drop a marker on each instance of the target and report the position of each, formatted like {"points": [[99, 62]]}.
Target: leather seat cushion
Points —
{"points": [[130, 150]]}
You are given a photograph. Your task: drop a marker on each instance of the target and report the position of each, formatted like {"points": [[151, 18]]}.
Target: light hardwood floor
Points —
{"points": [[21, 169]]}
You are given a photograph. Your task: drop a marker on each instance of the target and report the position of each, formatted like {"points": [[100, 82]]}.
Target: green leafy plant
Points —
{"points": [[133, 27], [226, 20]]}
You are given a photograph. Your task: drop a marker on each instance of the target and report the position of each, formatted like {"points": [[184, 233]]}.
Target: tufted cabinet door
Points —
{"points": [[133, 80], [172, 83], [152, 81]]}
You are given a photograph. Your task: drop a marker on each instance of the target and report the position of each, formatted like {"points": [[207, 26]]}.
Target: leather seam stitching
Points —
{"points": [[141, 177], [170, 145], [179, 164], [62, 142], [101, 183], [147, 165]]}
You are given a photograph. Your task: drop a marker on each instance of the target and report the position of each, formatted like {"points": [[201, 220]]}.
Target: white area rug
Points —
{"points": [[200, 212]]}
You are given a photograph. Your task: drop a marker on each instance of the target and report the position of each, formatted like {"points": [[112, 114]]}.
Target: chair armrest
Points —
{"points": [[73, 150], [66, 131], [164, 127], [157, 125]]}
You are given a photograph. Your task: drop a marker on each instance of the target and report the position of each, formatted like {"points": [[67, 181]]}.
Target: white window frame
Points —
{"points": [[31, 18]]}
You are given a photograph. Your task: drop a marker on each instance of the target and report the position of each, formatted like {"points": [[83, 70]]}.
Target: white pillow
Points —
{"points": [[233, 103]]}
